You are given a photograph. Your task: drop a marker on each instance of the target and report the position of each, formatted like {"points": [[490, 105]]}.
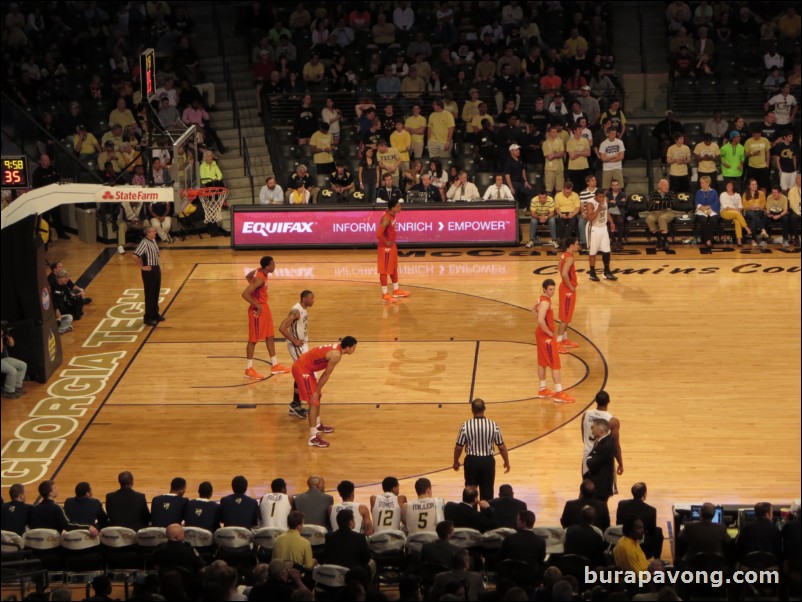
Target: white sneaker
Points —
{"points": [[121, 249], [530, 244], [555, 244]]}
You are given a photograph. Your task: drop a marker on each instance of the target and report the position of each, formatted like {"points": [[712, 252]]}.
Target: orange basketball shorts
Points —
{"points": [[306, 381], [567, 304], [260, 327], [547, 353], [387, 260]]}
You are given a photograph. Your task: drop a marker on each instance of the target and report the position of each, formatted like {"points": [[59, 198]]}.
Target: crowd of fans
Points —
{"points": [[440, 568]]}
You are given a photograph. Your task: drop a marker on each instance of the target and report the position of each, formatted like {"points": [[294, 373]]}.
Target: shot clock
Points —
{"points": [[15, 172]]}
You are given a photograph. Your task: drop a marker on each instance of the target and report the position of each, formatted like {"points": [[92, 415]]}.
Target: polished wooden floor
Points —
{"points": [[701, 355]]}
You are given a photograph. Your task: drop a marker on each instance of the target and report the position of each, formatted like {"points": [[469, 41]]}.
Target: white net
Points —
{"points": [[212, 201]]}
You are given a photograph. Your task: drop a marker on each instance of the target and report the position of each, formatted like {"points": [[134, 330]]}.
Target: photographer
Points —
{"points": [[67, 298], [13, 368]]}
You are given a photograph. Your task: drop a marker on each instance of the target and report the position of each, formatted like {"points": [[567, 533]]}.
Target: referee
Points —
{"points": [[147, 258], [479, 435]]}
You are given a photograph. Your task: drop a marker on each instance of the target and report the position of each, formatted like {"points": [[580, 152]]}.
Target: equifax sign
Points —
{"points": [[267, 228]]}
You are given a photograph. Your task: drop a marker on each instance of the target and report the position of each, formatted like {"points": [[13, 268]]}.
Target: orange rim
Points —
{"points": [[191, 193]]}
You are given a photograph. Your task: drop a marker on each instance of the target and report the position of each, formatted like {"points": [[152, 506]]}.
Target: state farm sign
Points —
{"points": [[134, 194]]}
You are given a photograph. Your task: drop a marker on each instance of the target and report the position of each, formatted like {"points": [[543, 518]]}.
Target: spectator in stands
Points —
{"points": [[345, 546], [299, 195], [16, 512], [678, 157], [498, 190], [716, 125], [210, 174], [45, 175], [516, 177], [177, 553], [615, 114], [585, 539], [342, 183], [169, 508], [707, 155], [627, 552], [611, 153], [388, 190], [389, 160], [638, 508], [589, 105], [703, 536], [524, 545], [83, 509], [543, 212], [760, 535], [578, 150], [784, 104], [195, 114], [66, 298], [472, 512], [13, 368], [666, 132], [168, 114], [238, 509], [271, 193], [130, 215], [161, 219], [553, 153], [290, 546], [661, 213], [507, 507], [460, 573], [567, 206], [757, 151], [777, 212], [432, 193], [770, 130], [322, 145], [85, 144], [126, 507], [463, 190], [202, 512], [388, 86], [732, 210], [792, 547], [368, 173], [732, 159], [794, 211], [754, 202], [440, 131]]}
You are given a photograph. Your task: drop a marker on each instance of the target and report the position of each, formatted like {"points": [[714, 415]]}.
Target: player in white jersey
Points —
{"points": [[362, 522], [295, 329], [275, 507], [599, 219], [600, 412], [386, 508], [424, 513]]}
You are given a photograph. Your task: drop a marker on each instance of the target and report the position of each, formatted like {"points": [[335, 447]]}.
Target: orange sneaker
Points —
{"points": [[544, 392], [569, 344], [388, 298], [279, 369], [251, 373], [399, 293], [562, 397], [561, 348]]}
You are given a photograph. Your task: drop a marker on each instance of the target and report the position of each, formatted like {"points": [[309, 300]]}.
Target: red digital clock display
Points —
{"points": [[15, 172], [147, 68]]}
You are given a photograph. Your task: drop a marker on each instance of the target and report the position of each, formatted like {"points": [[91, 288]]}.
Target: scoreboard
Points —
{"points": [[147, 74], [15, 172]]}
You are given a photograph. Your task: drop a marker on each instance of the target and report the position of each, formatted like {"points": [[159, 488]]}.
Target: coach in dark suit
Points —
{"points": [[704, 536], [584, 540], [638, 508], [601, 461], [507, 507], [84, 509], [524, 545], [572, 511], [441, 550], [169, 508], [238, 509], [762, 535], [202, 512], [471, 513], [126, 507], [345, 546]]}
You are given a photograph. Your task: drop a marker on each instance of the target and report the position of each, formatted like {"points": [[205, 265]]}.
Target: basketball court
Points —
{"points": [[700, 354]]}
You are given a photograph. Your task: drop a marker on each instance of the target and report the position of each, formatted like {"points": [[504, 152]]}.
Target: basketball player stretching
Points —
{"points": [[295, 329], [567, 294], [260, 320], [326, 358], [547, 346], [388, 252]]}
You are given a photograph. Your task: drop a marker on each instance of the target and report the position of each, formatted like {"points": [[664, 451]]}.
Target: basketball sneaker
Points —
{"points": [[593, 276], [324, 429], [388, 298], [251, 373], [569, 344], [400, 293], [608, 275], [297, 410], [545, 392], [317, 442], [562, 397], [279, 369], [563, 349]]}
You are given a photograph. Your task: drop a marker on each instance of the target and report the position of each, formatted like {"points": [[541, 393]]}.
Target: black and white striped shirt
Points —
{"points": [[586, 196], [148, 252], [478, 435]]}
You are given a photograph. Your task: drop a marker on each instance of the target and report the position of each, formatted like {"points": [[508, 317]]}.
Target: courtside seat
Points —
{"points": [[316, 535], [415, 542], [147, 540], [10, 542], [613, 533], [82, 551], [265, 539], [554, 538], [329, 581], [46, 547], [466, 538], [387, 551], [491, 545]]}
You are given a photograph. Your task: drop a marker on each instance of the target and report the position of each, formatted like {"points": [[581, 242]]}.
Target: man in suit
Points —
{"points": [[84, 509], [169, 508], [16, 512], [703, 536], [126, 507], [653, 543], [507, 507], [177, 553], [460, 572], [601, 461], [584, 540], [572, 512], [762, 535], [471, 512], [315, 502], [524, 545], [202, 512], [440, 551], [238, 509], [345, 546], [431, 191]]}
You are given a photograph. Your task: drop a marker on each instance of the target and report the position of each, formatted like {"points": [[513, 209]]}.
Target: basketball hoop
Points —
{"points": [[211, 199]]}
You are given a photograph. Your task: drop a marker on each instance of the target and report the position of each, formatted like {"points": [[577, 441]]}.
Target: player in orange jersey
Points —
{"points": [[547, 346], [325, 357], [388, 252], [567, 294], [260, 320]]}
